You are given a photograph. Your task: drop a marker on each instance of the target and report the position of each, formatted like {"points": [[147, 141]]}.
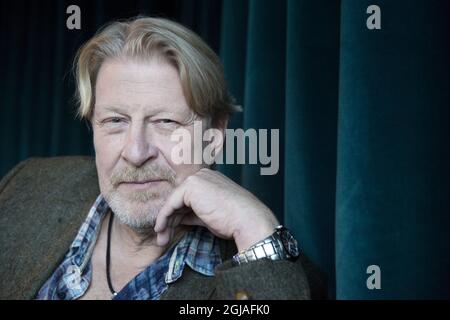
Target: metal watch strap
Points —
{"points": [[269, 248]]}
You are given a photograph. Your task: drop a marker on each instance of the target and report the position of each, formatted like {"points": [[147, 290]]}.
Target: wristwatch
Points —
{"points": [[280, 245]]}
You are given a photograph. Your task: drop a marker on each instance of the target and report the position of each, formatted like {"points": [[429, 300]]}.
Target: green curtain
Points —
{"points": [[366, 123], [393, 159], [363, 115]]}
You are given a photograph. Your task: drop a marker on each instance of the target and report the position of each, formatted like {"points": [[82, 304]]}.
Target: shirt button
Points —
{"points": [[74, 277], [241, 295]]}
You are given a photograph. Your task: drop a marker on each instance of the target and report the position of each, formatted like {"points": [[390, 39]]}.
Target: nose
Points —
{"points": [[138, 147]]}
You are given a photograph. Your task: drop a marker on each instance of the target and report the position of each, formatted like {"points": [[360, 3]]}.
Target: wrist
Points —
{"points": [[280, 245], [251, 233]]}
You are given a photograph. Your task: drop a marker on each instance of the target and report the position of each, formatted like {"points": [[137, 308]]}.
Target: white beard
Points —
{"points": [[138, 210]]}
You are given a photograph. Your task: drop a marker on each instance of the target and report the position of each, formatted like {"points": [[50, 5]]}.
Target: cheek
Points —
{"points": [[107, 153], [182, 170], [185, 170]]}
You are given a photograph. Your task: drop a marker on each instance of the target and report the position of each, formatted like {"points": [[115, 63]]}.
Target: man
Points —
{"points": [[159, 229]]}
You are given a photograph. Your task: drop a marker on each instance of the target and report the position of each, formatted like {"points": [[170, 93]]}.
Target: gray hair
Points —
{"points": [[142, 38]]}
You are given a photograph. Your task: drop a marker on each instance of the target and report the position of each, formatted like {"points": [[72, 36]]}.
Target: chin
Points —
{"points": [[135, 213]]}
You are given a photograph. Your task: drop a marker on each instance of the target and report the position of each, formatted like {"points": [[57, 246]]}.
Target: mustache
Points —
{"points": [[149, 172]]}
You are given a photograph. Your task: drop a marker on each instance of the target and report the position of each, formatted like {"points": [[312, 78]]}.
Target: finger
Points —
{"points": [[163, 238], [175, 218], [187, 218], [174, 202], [192, 220]]}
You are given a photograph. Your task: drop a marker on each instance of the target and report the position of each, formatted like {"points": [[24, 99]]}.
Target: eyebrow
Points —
{"points": [[113, 108], [123, 109]]}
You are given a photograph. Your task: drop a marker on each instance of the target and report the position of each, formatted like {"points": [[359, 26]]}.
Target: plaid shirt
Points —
{"points": [[198, 249]]}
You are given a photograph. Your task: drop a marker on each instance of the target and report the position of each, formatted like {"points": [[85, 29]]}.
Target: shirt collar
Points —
{"points": [[199, 249]]}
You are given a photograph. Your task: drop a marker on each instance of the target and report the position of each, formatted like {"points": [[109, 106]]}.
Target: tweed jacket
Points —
{"points": [[44, 201]]}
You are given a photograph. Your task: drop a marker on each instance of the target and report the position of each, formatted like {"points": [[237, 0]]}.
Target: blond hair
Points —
{"points": [[142, 38]]}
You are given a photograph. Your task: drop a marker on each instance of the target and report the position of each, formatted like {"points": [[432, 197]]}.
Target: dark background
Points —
{"points": [[363, 116]]}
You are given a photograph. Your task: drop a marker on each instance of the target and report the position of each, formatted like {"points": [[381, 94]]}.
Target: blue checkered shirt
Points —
{"points": [[199, 249]]}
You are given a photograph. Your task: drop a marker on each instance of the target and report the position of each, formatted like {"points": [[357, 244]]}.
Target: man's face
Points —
{"points": [[138, 106]]}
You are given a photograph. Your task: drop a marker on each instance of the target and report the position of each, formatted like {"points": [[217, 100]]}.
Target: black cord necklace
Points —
{"points": [[108, 256]]}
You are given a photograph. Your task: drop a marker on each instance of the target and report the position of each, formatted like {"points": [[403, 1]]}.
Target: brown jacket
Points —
{"points": [[44, 201]]}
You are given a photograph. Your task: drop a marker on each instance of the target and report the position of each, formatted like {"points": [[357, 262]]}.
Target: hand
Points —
{"points": [[216, 202]]}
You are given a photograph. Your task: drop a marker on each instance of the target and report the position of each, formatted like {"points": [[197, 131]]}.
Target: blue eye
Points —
{"points": [[166, 121], [114, 120], [166, 124]]}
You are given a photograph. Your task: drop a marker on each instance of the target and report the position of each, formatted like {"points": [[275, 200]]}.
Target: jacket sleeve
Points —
{"points": [[43, 203], [269, 280], [11, 174]]}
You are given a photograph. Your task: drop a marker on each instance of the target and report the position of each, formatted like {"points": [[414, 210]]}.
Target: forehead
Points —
{"points": [[153, 85]]}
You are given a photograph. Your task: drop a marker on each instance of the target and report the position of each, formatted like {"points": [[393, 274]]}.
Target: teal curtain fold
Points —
{"points": [[264, 99], [233, 55], [363, 118], [311, 125], [393, 182]]}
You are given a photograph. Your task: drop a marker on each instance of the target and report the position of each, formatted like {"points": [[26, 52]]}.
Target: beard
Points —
{"points": [[138, 209]]}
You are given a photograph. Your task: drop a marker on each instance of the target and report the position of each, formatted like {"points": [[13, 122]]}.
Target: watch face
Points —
{"points": [[289, 243]]}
